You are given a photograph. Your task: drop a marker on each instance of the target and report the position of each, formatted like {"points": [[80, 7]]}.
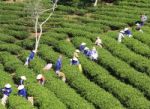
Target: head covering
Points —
{"points": [[75, 59], [137, 24], [83, 43], [126, 29], [20, 87], [7, 86], [94, 48], [34, 51], [77, 51], [121, 31], [98, 38], [86, 48], [39, 76], [23, 78]]}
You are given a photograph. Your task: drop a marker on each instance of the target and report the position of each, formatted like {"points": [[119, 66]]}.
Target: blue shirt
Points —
{"points": [[89, 53], [31, 55], [128, 32], [7, 91], [74, 62], [81, 48], [22, 93], [58, 64]]}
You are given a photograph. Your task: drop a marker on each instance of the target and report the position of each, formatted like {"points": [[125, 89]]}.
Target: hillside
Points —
{"points": [[119, 79]]}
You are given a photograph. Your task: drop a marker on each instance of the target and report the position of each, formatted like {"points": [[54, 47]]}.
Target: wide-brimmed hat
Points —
{"points": [[77, 51], [39, 76], [86, 48], [8, 86], [137, 24], [83, 43], [75, 59], [23, 78], [126, 29], [20, 87]]}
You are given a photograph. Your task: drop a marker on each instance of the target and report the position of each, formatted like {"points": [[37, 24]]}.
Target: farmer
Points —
{"points": [[98, 42], [124, 33], [58, 65], [30, 57], [82, 46], [94, 54], [138, 27], [22, 79], [74, 61], [41, 79], [143, 19], [6, 92], [22, 91], [76, 53], [61, 75]]}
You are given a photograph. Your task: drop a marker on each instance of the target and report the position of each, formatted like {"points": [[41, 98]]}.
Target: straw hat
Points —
{"points": [[8, 86], [23, 78], [86, 48], [20, 87], [126, 29], [75, 59], [137, 24], [83, 43], [77, 51], [39, 76]]}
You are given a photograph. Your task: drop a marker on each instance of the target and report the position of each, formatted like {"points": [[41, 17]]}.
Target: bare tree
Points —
{"points": [[95, 4], [36, 9]]}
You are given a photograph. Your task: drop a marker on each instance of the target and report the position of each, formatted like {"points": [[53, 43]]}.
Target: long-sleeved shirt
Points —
{"points": [[31, 55], [7, 91], [22, 93], [127, 32], [58, 64], [81, 48]]}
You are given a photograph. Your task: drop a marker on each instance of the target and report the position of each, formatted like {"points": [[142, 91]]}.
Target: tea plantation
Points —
{"points": [[120, 79]]}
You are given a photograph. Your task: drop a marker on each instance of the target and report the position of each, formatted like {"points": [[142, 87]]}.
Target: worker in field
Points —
{"points": [[98, 42], [143, 19], [41, 79], [86, 49], [76, 53], [75, 61], [82, 46], [124, 33], [22, 91], [94, 54], [30, 57], [22, 79], [6, 92], [58, 65], [139, 27], [48, 67], [61, 75]]}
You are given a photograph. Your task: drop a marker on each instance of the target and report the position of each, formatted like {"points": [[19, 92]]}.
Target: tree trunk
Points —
{"points": [[95, 4]]}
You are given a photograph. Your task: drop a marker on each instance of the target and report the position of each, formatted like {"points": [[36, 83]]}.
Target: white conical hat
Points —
{"points": [[34, 51], [77, 51], [75, 59], [121, 31], [8, 86], [137, 24], [20, 87], [23, 78], [39, 76], [86, 48], [83, 43], [126, 29]]}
